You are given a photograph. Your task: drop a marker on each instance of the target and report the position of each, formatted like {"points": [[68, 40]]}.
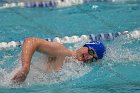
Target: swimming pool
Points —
{"points": [[120, 69]]}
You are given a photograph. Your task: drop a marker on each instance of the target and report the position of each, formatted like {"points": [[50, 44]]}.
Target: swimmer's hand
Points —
{"points": [[20, 76]]}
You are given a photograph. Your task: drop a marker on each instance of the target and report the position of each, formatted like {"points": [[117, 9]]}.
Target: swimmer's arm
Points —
{"points": [[35, 44], [31, 45]]}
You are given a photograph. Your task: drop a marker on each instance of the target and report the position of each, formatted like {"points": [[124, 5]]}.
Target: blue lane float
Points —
{"points": [[40, 4], [71, 39]]}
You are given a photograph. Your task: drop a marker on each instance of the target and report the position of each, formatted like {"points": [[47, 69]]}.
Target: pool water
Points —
{"points": [[119, 71]]}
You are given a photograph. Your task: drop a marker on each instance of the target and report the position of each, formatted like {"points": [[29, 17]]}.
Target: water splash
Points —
{"points": [[122, 60], [125, 48], [125, 1], [70, 71]]}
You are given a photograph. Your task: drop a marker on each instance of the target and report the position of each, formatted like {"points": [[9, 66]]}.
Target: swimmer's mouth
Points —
{"points": [[84, 58]]}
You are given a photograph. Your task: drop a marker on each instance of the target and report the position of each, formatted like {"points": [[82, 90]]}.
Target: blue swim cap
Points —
{"points": [[98, 47]]}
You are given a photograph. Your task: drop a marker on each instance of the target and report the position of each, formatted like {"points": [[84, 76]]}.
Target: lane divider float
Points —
{"points": [[71, 39], [49, 4]]}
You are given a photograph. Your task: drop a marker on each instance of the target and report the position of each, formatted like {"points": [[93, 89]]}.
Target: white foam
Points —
{"points": [[70, 70], [134, 34], [125, 49], [4, 78]]}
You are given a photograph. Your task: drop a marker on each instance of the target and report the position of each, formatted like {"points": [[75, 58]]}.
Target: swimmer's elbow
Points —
{"points": [[32, 42], [29, 39]]}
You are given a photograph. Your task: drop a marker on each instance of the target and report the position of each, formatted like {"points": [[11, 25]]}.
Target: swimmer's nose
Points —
{"points": [[86, 57]]}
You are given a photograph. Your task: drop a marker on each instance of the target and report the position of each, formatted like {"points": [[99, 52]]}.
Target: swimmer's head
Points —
{"points": [[98, 47], [91, 51]]}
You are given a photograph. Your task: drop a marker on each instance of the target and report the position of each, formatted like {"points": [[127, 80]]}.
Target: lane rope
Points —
{"points": [[70, 39], [49, 4]]}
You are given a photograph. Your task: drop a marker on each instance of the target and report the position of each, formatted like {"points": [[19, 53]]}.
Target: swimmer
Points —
{"points": [[56, 53]]}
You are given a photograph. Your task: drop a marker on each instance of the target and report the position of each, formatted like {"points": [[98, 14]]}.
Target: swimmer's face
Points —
{"points": [[85, 54]]}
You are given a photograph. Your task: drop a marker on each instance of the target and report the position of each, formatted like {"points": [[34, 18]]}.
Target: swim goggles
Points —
{"points": [[92, 53]]}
